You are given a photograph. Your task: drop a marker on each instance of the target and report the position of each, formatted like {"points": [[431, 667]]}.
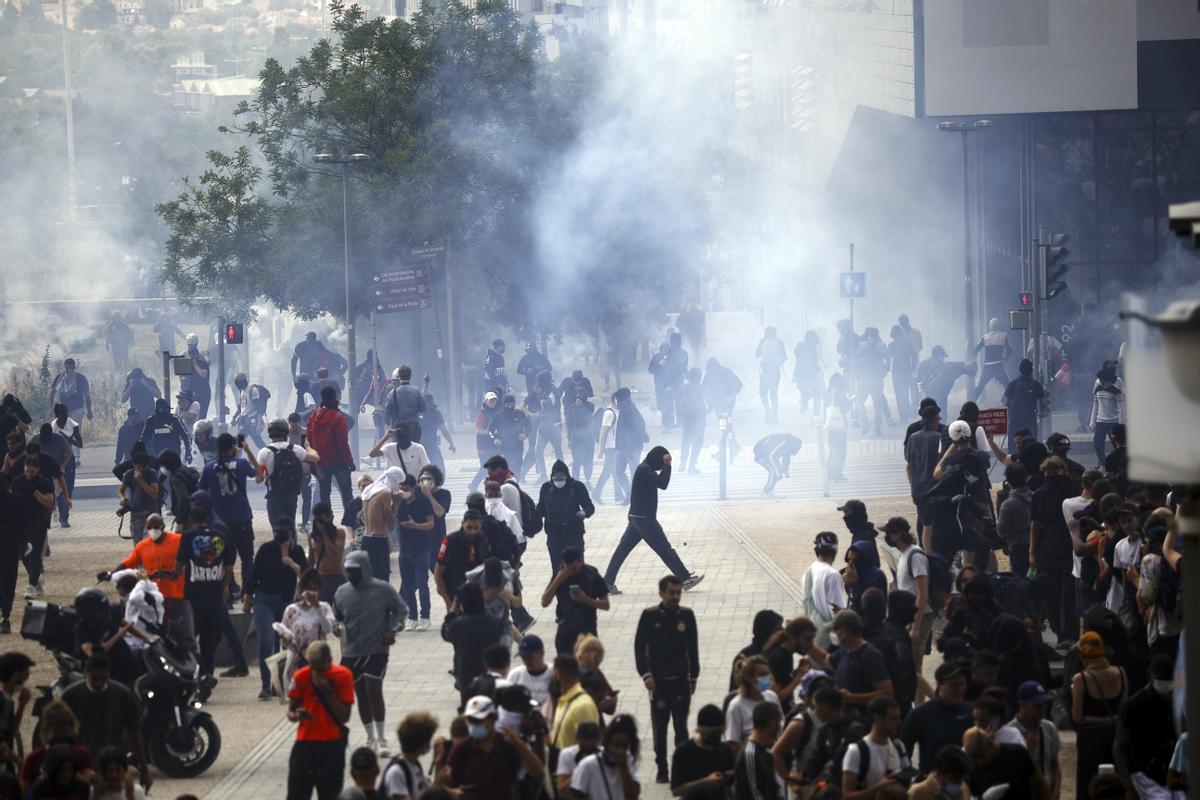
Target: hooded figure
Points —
{"points": [[866, 567], [653, 474], [367, 608], [1018, 661], [564, 504], [165, 431], [471, 630]]}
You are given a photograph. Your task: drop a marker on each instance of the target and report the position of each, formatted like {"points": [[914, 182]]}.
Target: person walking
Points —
{"points": [[282, 466], [1108, 408], [652, 475], [872, 365], [580, 592], [607, 442], [771, 355], [666, 651], [319, 700], [996, 350], [71, 388], [691, 411], [1025, 398], [330, 438], [369, 613], [271, 586], [225, 481], [563, 504], [406, 403], [807, 372]]}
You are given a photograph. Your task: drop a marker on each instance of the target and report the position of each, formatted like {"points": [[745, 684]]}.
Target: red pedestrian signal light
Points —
{"points": [[235, 333], [1025, 299]]}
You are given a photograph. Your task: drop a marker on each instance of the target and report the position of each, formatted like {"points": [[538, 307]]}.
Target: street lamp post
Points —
{"points": [[346, 162], [964, 129]]}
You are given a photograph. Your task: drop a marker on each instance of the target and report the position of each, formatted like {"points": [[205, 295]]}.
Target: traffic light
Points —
{"points": [[235, 333], [1056, 265], [1025, 300]]}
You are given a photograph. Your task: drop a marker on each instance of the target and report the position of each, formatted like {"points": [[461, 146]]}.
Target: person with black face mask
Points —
{"points": [[700, 766], [251, 416], [165, 431], [564, 504], [271, 586], [653, 474], [402, 450]]}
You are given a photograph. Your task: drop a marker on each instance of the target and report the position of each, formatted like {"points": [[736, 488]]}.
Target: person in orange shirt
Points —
{"points": [[156, 555], [319, 699]]}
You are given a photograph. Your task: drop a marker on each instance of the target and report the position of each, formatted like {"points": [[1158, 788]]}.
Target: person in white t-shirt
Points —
{"points": [[187, 409], [533, 673], [822, 590], [1073, 505], [587, 742], [912, 575], [499, 510], [611, 773], [1127, 558], [886, 754], [281, 505], [754, 686], [401, 451], [404, 776]]}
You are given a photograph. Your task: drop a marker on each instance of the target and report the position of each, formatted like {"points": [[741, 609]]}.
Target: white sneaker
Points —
{"points": [[372, 745], [423, 625], [381, 748], [31, 592]]}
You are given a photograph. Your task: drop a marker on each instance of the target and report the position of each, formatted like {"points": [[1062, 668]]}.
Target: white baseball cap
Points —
{"points": [[480, 707], [959, 430]]}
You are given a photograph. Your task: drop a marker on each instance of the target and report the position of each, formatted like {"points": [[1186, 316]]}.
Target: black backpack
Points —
{"points": [[941, 584], [864, 760], [531, 521], [287, 475]]}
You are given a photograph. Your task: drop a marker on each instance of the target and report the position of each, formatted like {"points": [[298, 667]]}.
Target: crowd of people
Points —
{"points": [[1080, 632]]}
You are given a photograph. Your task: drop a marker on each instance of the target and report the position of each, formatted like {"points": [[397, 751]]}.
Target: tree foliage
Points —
{"points": [[454, 112]]}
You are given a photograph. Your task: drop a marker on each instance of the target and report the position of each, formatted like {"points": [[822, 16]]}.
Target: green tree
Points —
{"points": [[97, 15], [456, 114]]}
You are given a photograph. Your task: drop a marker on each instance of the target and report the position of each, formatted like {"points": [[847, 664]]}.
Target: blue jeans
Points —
{"points": [[69, 477], [281, 510], [378, 550], [414, 581], [267, 610], [325, 478]]}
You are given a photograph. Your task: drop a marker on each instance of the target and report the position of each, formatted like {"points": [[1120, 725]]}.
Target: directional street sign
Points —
{"points": [[853, 284], [401, 289]]}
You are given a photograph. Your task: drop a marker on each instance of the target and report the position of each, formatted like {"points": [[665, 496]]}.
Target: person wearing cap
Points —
{"points": [[487, 763], [921, 454], [666, 652], [700, 766], [859, 668], [284, 474], [1059, 444], [319, 699], [164, 431], [533, 672], [187, 409], [941, 720], [369, 613], [1030, 729], [994, 764], [563, 503], [587, 742], [912, 575], [405, 402], [822, 592]]}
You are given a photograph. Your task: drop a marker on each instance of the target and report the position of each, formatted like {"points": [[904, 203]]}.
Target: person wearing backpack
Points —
{"points": [[1025, 398], [878, 759], [281, 465], [915, 573], [403, 777], [225, 480], [179, 483]]}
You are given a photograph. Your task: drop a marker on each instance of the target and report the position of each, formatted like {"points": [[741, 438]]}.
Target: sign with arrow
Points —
{"points": [[401, 289]]}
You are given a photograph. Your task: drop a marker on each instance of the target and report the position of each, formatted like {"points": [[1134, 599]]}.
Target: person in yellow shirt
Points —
{"points": [[573, 706]]}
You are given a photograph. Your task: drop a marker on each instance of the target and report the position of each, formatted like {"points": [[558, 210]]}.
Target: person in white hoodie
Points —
{"points": [[497, 509], [822, 590], [143, 607]]}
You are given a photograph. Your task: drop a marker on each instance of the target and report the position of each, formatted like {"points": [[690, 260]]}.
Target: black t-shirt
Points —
{"points": [[691, 762], [1023, 395], [1147, 718], [270, 576], [783, 667], [1012, 766], [574, 615], [205, 553], [417, 510], [439, 523], [36, 514]]}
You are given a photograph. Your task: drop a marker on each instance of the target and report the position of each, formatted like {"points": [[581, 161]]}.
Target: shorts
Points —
{"points": [[923, 516], [372, 666]]}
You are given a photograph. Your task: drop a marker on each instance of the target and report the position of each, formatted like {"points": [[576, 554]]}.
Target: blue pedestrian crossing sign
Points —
{"points": [[853, 284]]}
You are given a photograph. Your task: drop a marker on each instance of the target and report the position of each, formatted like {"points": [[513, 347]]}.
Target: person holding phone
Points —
{"points": [[580, 592], [319, 701]]}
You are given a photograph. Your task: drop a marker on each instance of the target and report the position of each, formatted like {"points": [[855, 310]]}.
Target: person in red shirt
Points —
{"points": [[156, 555], [319, 699], [329, 435]]}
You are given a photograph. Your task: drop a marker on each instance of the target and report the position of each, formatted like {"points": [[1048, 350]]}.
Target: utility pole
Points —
{"points": [[346, 162], [72, 194], [852, 296], [964, 129], [221, 378]]}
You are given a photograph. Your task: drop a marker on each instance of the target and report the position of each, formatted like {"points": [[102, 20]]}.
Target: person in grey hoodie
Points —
{"points": [[369, 613], [1012, 524]]}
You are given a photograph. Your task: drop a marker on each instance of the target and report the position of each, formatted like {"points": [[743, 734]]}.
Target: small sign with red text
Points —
{"points": [[994, 421]]}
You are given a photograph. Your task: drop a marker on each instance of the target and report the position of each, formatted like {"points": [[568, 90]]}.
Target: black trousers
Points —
{"points": [[243, 539], [670, 702], [33, 561], [1061, 612], [207, 622], [316, 765], [557, 542], [566, 636], [8, 582], [650, 532]]}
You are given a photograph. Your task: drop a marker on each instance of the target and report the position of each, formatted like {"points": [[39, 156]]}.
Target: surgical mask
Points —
{"points": [[952, 789], [559, 483], [510, 720], [154, 533], [477, 730], [762, 683], [1163, 687]]}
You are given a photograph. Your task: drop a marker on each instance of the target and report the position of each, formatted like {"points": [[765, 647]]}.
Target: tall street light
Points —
{"points": [[965, 129], [346, 163]]}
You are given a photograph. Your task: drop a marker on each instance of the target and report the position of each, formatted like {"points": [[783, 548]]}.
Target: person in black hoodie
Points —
{"points": [[564, 504], [652, 474], [581, 438]]}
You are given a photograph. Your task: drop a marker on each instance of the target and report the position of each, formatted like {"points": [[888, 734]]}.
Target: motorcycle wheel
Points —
{"points": [[168, 753]]}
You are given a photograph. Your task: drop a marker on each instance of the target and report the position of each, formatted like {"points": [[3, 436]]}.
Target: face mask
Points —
{"points": [[834, 639], [559, 483], [1163, 687], [952, 789], [282, 537], [427, 483], [763, 683], [711, 739], [240, 384], [406, 496], [403, 441], [355, 576], [477, 730], [510, 719], [154, 533]]}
